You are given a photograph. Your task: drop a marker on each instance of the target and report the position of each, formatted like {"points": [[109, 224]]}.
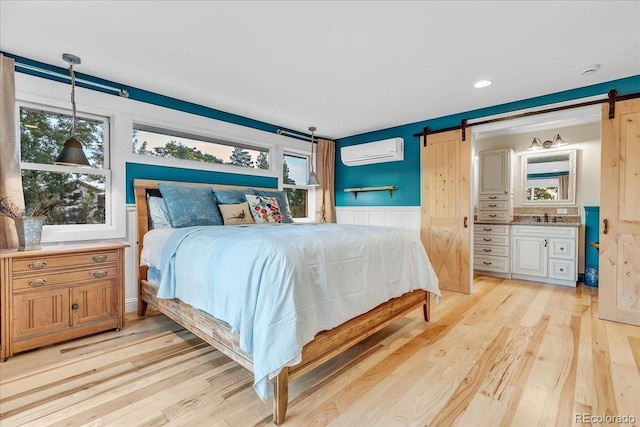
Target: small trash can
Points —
{"points": [[591, 276]]}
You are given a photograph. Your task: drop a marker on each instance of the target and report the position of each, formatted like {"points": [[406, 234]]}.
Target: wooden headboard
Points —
{"points": [[146, 187]]}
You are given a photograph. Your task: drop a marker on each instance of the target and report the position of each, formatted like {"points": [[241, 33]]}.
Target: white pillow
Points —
{"points": [[159, 213]]}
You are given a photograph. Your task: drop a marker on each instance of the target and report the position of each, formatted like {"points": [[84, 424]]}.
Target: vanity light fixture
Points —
{"points": [[72, 153], [482, 83], [557, 141]]}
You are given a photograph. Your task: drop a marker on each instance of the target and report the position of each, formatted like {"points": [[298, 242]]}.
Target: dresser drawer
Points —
{"points": [[493, 206], [501, 216], [489, 229], [47, 263], [490, 240], [491, 250], [491, 197], [44, 280], [491, 263]]}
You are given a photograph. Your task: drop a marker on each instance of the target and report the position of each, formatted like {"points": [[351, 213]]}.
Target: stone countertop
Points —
{"points": [[545, 224]]}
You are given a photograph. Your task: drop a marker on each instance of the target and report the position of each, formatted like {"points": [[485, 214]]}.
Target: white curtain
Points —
{"points": [[10, 178]]}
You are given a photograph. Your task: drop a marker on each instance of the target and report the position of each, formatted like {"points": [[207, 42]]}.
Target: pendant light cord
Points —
{"points": [[73, 100]]}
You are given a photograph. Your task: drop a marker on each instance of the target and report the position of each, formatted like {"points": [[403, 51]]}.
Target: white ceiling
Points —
{"points": [[345, 67]]}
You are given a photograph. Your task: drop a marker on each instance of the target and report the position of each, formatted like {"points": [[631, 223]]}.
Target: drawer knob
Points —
{"points": [[74, 307], [562, 269], [493, 197], [561, 248], [37, 282], [493, 206], [493, 216], [100, 273], [487, 240], [99, 258], [486, 263], [487, 229], [37, 264], [487, 250]]}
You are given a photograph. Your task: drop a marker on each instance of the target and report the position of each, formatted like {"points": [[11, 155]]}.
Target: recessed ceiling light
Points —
{"points": [[590, 69], [482, 83]]}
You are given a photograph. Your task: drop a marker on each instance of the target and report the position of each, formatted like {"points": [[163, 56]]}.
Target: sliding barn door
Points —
{"points": [[619, 275], [445, 170]]}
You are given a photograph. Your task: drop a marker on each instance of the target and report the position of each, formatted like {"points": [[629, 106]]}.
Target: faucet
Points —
{"points": [[546, 217]]}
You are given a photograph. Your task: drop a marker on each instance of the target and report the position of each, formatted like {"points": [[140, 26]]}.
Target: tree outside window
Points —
{"points": [[80, 191]]}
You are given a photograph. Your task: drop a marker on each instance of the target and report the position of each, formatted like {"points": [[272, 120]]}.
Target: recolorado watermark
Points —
{"points": [[604, 419]]}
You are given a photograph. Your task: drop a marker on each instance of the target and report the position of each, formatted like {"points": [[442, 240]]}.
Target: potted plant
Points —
{"points": [[28, 221]]}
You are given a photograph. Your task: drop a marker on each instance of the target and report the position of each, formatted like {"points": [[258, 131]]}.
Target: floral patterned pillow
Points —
{"points": [[264, 209]]}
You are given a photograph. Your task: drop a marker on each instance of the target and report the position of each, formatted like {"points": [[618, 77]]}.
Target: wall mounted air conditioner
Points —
{"points": [[388, 150]]}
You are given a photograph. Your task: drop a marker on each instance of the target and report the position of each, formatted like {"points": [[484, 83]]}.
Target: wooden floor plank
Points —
{"points": [[512, 353]]}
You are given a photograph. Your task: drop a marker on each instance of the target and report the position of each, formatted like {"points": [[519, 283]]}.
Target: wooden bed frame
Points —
{"points": [[324, 346]]}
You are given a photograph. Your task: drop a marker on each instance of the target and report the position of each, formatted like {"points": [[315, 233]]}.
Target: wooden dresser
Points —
{"points": [[59, 293]]}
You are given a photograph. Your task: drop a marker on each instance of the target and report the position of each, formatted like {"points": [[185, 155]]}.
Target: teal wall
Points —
{"points": [[143, 171], [406, 174]]}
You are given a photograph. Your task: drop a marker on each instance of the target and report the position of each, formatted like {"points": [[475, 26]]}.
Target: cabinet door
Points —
{"points": [[40, 312], [494, 172], [95, 301], [530, 256]]}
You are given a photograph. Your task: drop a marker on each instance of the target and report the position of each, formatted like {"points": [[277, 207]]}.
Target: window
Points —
{"points": [[150, 141], [294, 176], [81, 193]]}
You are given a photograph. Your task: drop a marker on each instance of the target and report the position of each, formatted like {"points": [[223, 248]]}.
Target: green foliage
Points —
{"points": [[241, 157], [262, 162]]}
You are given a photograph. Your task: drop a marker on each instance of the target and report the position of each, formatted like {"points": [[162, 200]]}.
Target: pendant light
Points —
{"points": [[72, 153], [312, 180]]}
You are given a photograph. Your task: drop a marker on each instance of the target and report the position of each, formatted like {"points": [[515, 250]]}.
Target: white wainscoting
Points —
{"points": [[131, 262], [407, 217]]}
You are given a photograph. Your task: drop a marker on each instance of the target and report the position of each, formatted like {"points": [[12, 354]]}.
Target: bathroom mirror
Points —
{"points": [[549, 178]]}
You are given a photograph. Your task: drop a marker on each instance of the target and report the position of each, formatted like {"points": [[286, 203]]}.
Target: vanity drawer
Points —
{"points": [[562, 248], [490, 197], [491, 263], [493, 206], [501, 216], [491, 250], [490, 240], [502, 230], [562, 269]]}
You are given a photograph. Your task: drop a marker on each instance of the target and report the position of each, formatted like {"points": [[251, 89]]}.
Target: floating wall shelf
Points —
{"points": [[355, 191]]}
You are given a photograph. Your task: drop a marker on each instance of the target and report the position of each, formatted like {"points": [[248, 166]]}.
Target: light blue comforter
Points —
{"points": [[277, 286]]}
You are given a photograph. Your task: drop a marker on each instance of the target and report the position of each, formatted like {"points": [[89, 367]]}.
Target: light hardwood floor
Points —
{"points": [[513, 353]]}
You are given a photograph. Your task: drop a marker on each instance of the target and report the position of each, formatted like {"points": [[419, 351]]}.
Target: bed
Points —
{"points": [[342, 321]]}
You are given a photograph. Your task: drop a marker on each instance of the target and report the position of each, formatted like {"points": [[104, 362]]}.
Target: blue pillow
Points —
{"points": [[283, 203], [190, 205], [232, 197]]}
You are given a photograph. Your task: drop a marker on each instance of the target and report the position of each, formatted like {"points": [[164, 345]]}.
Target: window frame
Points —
{"points": [[311, 190], [201, 137], [71, 232]]}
